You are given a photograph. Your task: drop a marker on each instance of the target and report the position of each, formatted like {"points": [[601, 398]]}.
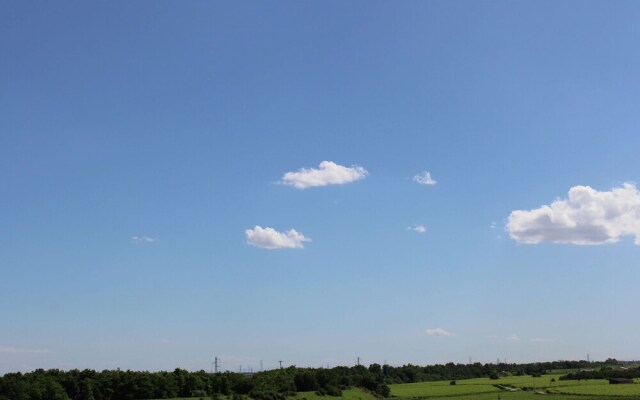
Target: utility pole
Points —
{"points": [[280, 363], [588, 358], [215, 365], [358, 362], [260, 365]]}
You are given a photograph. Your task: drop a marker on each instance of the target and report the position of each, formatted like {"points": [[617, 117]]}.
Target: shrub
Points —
{"points": [[236, 396], [334, 391], [259, 395], [383, 390]]}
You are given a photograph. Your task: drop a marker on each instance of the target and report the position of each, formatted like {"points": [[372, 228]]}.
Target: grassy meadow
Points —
{"points": [[546, 387]]}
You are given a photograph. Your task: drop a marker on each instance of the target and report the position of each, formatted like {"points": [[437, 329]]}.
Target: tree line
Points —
{"points": [[275, 384], [605, 372]]}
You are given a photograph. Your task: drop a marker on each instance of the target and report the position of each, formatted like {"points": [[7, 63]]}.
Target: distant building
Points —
{"points": [[615, 381]]}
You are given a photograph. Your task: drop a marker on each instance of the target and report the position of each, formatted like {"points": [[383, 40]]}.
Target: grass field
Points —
{"points": [[348, 394], [441, 388], [508, 388]]}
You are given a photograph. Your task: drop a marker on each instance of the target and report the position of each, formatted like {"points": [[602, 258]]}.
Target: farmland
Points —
{"points": [[505, 388], [516, 388], [546, 387], [578, 381]]}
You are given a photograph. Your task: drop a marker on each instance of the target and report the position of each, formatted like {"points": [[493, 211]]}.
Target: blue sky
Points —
{"points": [[152, 154]]}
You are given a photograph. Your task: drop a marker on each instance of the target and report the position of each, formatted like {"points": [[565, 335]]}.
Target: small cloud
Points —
{"points": [[438, 332], [513, 338], [493, 225], [142, 239], [329, 173], [269, 238], [417, 228], [586, 217], [420, 229], [15, 350], [424, 178]]}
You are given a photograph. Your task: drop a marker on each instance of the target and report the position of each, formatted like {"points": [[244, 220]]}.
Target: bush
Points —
{"points": [[334, 391], [259, 395], [494, 375], [452, 383], [383, 390]]}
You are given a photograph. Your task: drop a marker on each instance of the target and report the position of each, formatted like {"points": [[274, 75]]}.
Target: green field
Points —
{"points": [[441, 388], [348, 394], [599, 387], [512, 388], [508, 388]]}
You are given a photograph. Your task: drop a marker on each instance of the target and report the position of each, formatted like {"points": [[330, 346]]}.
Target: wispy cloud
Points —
{"points": [[424, 178], [417, 228], [586, 217], [142, 239], [438, 332], [269, 238], [16, 350], [328, 173]]}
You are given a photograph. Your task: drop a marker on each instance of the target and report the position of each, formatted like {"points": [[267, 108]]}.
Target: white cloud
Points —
{"points": [[15, 350], [329, 173], [142, 239], [419, 229], [587, 217], [424, 178], [269, 238], [438, 332], [513, 338]]}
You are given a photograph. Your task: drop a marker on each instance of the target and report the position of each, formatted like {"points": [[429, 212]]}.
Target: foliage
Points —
{"points": [[277, 384], [604, 372]]}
